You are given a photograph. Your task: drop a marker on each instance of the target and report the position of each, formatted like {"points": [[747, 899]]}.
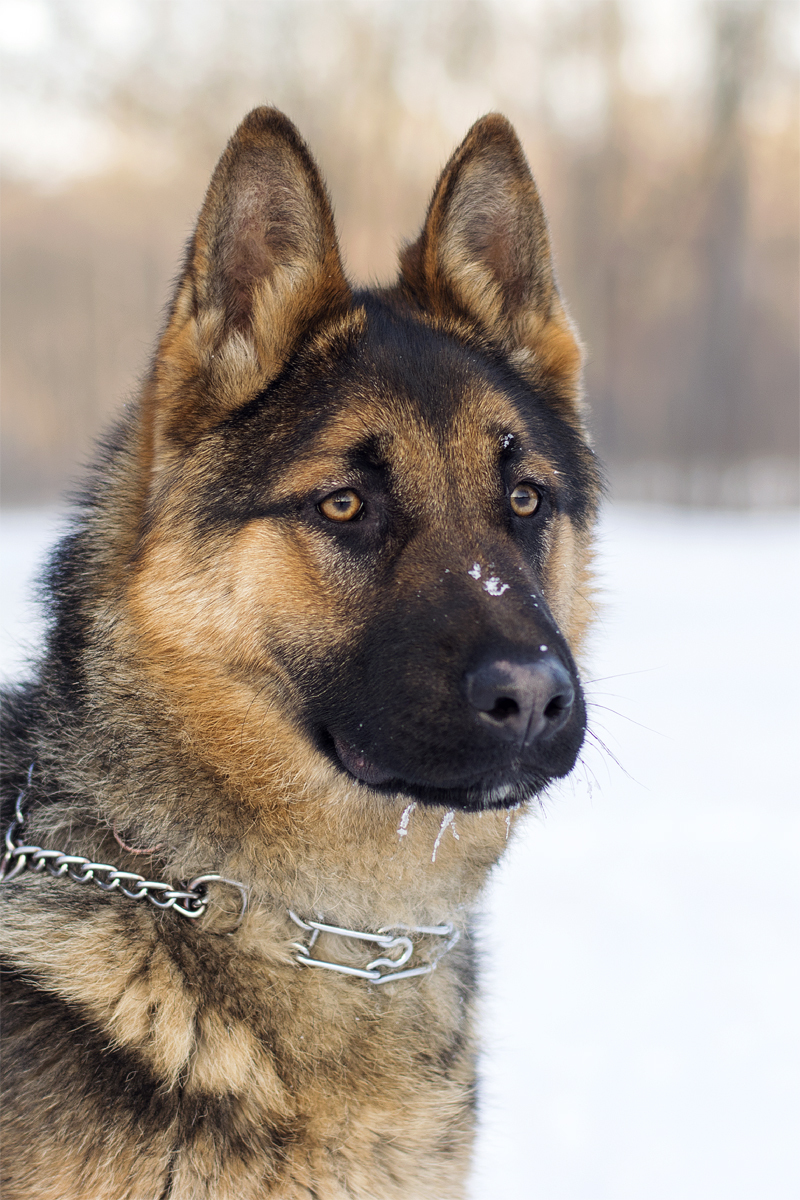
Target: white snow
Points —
{"points": [[402, 828], [493, 584], [25, 538], [641, 964], [447, 819]]}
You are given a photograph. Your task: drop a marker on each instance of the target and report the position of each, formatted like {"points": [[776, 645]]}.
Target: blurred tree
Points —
{"points": [[724, 381]]}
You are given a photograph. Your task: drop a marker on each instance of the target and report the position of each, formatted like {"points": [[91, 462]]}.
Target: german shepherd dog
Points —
{"points": [[312, 651]]}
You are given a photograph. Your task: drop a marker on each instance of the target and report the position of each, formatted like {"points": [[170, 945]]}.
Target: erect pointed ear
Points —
{"points": [[262, 270], [484, 255]]}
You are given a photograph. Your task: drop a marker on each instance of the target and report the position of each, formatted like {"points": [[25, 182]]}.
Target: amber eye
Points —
{"points": [[341, 506], [524, 500]]}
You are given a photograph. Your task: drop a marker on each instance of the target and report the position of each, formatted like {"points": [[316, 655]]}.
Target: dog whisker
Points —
{"points": [[621, 675], [592, 704], [610, 753]]}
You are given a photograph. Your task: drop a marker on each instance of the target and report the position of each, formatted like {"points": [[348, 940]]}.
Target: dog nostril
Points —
{"points": [[504, 708], [557, 706]]}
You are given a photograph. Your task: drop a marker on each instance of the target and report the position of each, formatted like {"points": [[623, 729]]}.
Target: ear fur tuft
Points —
{"points": [[266, 219], [262, 270], [484, 255]]}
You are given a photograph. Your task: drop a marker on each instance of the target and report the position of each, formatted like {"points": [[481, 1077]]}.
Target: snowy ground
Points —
{"points": [[642, 966]]}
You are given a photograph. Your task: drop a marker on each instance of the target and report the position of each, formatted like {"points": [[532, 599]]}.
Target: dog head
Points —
{"points": [[366, 515]]}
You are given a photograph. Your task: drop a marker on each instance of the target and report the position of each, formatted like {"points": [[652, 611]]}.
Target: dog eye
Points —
{"points": [[524, 500], [341, 506]]}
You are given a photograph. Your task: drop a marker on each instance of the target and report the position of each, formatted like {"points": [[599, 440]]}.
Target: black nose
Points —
{"points": [[521, 701]]}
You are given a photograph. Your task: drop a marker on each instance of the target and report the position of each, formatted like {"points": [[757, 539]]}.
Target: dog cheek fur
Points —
{"points": [[570, 589]]}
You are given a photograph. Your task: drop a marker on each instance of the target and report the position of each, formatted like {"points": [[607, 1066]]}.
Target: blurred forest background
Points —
{"points": [[663, 135]]}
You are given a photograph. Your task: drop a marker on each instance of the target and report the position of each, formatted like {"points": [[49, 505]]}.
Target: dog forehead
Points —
{"points": [[407, 397], [380, 425]]}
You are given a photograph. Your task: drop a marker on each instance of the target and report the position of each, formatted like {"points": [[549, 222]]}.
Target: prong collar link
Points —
{"points": [[395, 936]]}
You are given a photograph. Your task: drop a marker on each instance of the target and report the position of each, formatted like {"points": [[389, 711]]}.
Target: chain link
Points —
{"points": [[191, 901]]}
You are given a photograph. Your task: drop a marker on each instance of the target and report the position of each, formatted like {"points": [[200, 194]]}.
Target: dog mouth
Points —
{"points": [[471, 794]]}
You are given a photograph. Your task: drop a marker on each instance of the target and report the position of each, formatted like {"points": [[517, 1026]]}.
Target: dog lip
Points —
{"points": [[470, 792], [356, 763]]}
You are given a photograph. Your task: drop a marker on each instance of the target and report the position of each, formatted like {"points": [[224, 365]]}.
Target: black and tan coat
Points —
{"points": [[315, 631]]}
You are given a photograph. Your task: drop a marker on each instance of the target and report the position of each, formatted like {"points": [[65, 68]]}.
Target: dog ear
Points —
{"points": [[261, 270], [484, 255]]}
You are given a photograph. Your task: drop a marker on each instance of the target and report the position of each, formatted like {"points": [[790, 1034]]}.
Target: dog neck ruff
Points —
{"points": [[192, 902]]}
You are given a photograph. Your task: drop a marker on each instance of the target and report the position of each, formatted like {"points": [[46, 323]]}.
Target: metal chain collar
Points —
{"points": [[192, 902]]}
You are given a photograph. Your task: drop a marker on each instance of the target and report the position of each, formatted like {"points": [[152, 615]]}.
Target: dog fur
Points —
{"points": [[237, 682]]}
